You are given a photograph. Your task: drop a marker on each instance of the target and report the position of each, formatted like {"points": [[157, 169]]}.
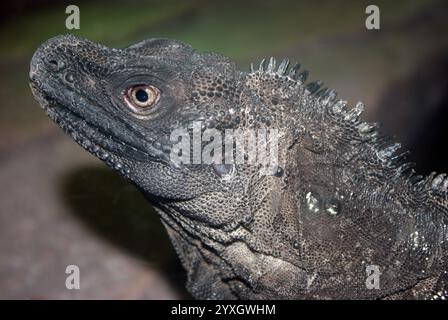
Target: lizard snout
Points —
{"points": [[47, 59]]}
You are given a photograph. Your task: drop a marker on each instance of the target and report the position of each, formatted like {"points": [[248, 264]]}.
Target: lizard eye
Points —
{"points": [[140, 98]]}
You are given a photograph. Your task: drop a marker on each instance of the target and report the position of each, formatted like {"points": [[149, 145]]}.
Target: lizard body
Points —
{"points": [[340, 200]]}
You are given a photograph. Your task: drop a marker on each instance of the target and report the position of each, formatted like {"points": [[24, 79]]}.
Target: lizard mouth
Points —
{"points": [[104, 145]]}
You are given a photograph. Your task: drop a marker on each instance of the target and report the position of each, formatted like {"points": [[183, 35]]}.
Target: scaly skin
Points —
{"points": [[341, 199]]}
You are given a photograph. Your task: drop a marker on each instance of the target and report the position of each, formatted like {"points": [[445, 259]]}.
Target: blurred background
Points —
{"points": [[59, 205]]}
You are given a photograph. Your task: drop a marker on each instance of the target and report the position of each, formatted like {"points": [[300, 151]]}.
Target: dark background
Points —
{"points": [[60, 206]]}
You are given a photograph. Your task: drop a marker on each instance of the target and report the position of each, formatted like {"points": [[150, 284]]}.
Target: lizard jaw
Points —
{"points": [[83, 133], [67, 108]]}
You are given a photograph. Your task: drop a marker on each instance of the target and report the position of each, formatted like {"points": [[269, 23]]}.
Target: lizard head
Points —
{"points": [[123, 105]]}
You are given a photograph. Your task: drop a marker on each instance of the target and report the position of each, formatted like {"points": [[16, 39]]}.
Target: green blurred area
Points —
{"points": [[240, 29], [328, 37]]}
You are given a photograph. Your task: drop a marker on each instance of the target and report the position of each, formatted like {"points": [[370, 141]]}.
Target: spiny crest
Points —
{"points": [[282, 70], [387, 151], [325, 95], [436, 184], [440, 182]]}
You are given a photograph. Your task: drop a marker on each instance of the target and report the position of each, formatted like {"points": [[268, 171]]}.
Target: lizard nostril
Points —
{"points": [[56, 64], [69, 77]]}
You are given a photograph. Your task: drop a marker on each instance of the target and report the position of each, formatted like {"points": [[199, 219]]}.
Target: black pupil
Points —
{"points": [[141, 95]]}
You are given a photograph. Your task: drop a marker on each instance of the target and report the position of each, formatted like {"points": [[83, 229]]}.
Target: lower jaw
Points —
{"points": [[66, 120], [85, 134]]}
